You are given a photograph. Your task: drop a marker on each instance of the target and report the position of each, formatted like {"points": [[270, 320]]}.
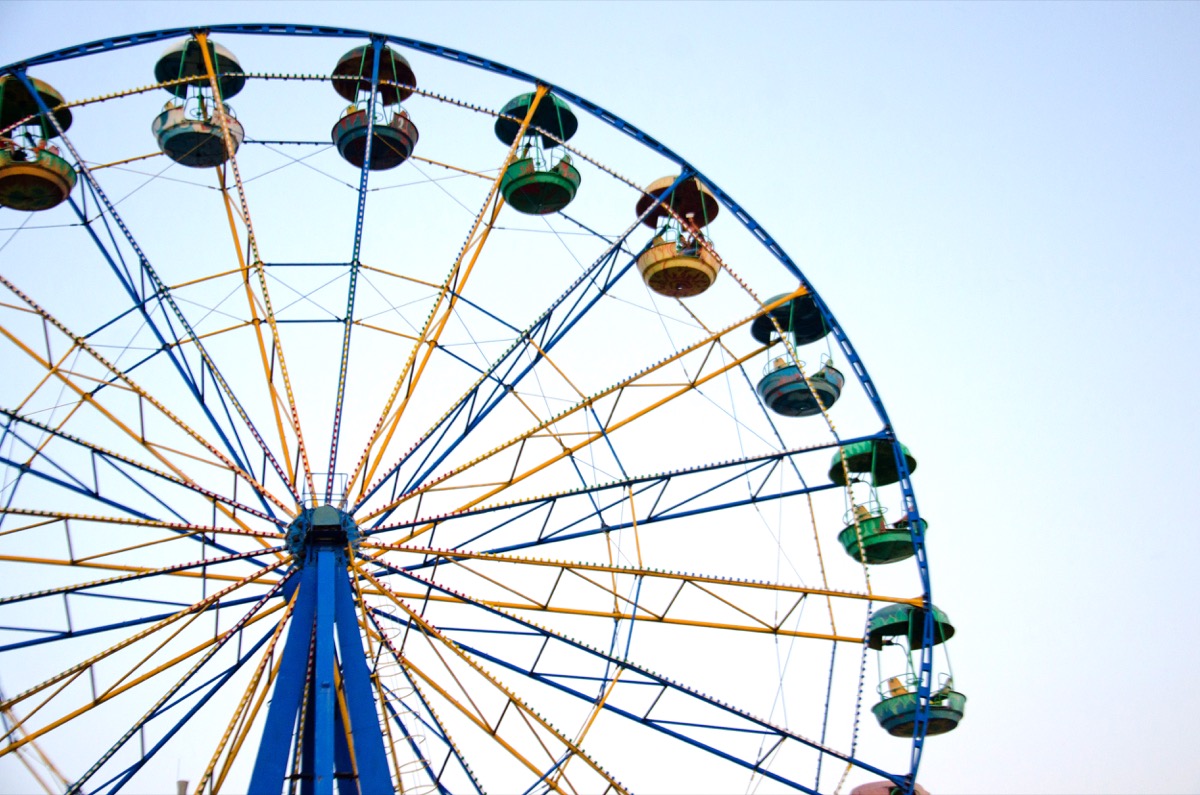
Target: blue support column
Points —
{"points": [[280, 728], [337, 749], [369, 753], [324, 701]]}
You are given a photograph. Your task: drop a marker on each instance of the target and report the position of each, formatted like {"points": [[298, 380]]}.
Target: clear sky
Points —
{"points": [[1001, 203]]}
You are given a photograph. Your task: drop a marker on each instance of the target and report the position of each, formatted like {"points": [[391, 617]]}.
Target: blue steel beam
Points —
{"points": [[133, 622], [355, 265], [750, 722], [322, 685], [370, 758], [503, 385], [140, 575], [323, 640], [121, 779], [77, 787], [276, 745], [162, 292], [469, 408], [435, 727], [641, 481], [116, 461]]}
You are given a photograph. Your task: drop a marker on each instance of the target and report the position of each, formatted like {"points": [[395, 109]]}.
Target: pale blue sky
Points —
{"points": [[1001, 203]]}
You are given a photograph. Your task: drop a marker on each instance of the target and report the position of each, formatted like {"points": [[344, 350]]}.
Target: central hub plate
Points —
{"points": [[322, 526]]}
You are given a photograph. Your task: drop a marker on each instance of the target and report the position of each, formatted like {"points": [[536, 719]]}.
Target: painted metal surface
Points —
{"points": [[879, 458], [539, 192], [34, 183], [391, 144], [786, 390]]}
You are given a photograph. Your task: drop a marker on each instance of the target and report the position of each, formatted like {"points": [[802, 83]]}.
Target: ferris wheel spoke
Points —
{"points": [[395, 706], [163, 296], [622, 593], [181, 529], [435, 323], [121, 463], [355, 255], [670, 389], [434, 724], [157, 450], [183, 569], [256, 258], [162, 703], [20, 736], [189, 611], [509, 370], [679, 494], [444, 651], [209, 689], [722, 718], [430, 720], [245, 712]]}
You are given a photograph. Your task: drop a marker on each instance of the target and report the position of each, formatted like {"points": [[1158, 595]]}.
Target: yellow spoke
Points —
{"points": [[118, 567], [452, 168], [116, 647], [567, 451], [388, 331], [236, 748], [429, 340], [111, 694], [252, 242], [126, 520], [135, 572], [430, 631], [244, 703], [402, 276], [158, 473], [142, 393], [453, 555]]}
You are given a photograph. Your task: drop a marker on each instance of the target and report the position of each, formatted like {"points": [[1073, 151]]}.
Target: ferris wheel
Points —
{"points": [[380, 417]]}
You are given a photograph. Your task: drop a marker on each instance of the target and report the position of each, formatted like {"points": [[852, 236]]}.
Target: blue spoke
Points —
{"points": [[355, 265]]}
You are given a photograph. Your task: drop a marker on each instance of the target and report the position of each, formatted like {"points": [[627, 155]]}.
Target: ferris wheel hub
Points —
{"points": [[324, 526]]}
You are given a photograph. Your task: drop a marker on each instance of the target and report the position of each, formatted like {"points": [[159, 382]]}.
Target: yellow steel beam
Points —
{"points": [[129, 520], [236, 748], [432, 632], [248, 693], [591, 438], [587, 724], [95, 658], [451, 555], [158, 473], [142, 393], [125, 161], [252, 242], [139, 570], [380, 695], [209, 643], [428, 339]]}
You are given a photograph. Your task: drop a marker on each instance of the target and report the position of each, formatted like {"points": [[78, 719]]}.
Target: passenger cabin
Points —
{"points": [[542, 179], [874, 458], [679, 262], [383, 125], [784, 389], [799, 318], [33, 175], [196, 128]]}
